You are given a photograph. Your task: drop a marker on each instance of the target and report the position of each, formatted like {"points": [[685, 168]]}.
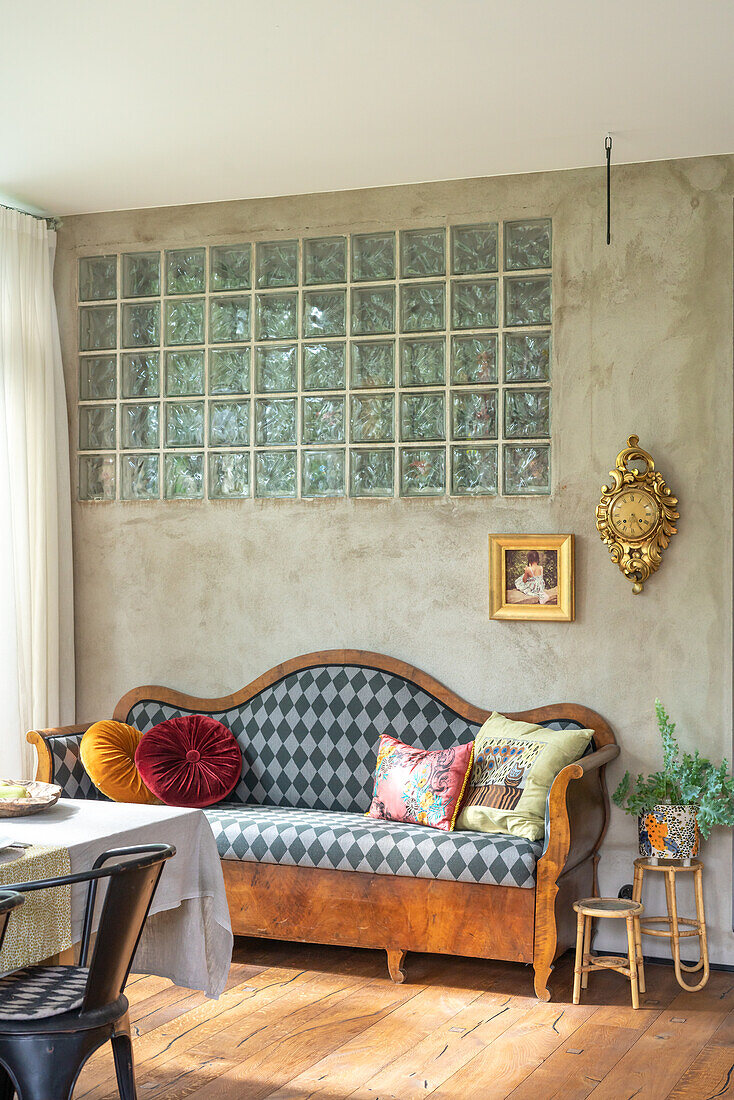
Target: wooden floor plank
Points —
{"points": [[303, 1022], [345, 1069], [447, 1049], [655, 1064]]}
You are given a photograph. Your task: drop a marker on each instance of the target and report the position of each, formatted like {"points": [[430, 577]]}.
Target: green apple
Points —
{"points": [[13, 790]]}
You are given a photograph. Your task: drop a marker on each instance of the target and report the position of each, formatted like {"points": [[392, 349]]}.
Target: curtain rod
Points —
{"points": [[52, 223]]}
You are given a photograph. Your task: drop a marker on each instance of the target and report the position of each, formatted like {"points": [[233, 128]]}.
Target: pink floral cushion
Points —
{"points": [[418, 786]]}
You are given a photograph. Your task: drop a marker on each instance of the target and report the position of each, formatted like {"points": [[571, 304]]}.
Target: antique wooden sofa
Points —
{"points": [[302, 862]]}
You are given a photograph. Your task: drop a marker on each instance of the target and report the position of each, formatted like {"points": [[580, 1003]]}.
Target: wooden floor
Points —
{"points": [[300, 1023]]}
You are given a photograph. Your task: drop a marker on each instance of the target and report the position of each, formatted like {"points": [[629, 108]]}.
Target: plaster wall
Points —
{"points": [[204, 596]]}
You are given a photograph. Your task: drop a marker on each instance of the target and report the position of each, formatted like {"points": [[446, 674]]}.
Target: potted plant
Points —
{"points": [[673, 806]]}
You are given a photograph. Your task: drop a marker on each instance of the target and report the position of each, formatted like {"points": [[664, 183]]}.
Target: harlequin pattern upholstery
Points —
{"points": [[352, 842], [39, 991], [310, 740]]}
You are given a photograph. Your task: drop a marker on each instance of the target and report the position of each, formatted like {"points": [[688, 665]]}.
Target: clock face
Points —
{"points": [[634, 515]]}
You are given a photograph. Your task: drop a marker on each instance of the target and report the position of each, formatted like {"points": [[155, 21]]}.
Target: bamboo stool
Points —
{"points": [[673, 931], [632, 967]]}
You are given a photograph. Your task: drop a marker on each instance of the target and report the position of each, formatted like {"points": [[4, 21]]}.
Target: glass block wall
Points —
{"points": [[410, 362]]}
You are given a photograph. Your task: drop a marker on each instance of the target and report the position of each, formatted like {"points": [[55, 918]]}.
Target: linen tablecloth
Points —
{"points": [[41, 927], [188, 935]]}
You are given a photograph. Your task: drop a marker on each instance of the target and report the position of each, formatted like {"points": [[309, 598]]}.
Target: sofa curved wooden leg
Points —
{"points": [[546, 936], [395, 960], [542, 974]]}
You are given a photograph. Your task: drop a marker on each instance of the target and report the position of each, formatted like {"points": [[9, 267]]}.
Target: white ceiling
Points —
{"points": [[141, 103]]}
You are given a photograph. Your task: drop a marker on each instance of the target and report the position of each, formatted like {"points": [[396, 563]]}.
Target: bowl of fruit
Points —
{"points": [[18, 799]]}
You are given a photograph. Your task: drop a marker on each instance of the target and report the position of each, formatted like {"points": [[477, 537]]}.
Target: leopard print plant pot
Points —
{"points": [[669, 832]]}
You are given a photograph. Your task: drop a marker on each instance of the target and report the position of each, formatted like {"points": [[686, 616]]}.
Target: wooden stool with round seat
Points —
{"points": [[632, 967]]}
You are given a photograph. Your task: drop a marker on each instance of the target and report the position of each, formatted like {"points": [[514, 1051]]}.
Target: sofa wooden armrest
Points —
{"points": [[39, 740], [577, 821]]}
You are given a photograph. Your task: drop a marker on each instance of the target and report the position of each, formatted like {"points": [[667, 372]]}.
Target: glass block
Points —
{"points": [[277, 263], [423, 362], [141, 324], [229, 423], [422, 252], [373, 310], [322, 473], [474, 305], [473, 249], [473, 359], [97, 328], [185, 321], [423, 308], [97, 377], [229, 475], [324, 366], [140, 477], [229, 267], [373, 418], [229, 370], [325, 260], [373, 257], [229, 320], [139, 426], [372, 364], [422, 416], [96, 477], [185, 424], [140, 374], [528, 301], [323, 420], [526, 468], [527, 356], [275, 474], [96, 427], [97, 278], [186, 271], [527, 244], [141, 274], [275, 420], [184, 476], [527, 413], [371, 473], [324, 313], [422, 471], [275, 369], [184, 373], [474, 415], [276, 317], [474, 471]]}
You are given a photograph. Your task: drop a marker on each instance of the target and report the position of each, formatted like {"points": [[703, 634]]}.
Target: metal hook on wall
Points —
{"points": [[608, 151]]}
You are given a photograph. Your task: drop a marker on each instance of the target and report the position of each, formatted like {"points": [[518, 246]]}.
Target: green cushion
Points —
{"points": [[514, 766]]}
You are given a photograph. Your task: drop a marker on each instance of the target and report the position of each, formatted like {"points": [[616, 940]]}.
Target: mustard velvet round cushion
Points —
{"points": [[108, 755]]}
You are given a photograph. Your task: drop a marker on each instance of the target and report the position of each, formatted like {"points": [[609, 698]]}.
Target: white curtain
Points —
{"points": [[36, 602]]}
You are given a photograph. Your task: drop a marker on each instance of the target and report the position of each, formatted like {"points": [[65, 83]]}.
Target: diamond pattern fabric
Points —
{"points": [[351, 842], [40, 991]]}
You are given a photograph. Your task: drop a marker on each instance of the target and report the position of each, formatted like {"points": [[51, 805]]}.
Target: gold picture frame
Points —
{"points": [[532, 577]]}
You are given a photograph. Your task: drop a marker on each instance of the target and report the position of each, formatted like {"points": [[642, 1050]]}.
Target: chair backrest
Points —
{"points": [[9, 900], [125, 908]]}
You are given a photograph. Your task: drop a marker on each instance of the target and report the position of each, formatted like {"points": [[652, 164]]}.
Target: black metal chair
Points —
{"points": [[8, 901], [53, 1017]]}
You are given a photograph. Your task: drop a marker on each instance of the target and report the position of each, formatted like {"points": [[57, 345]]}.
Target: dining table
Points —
{"points": [[188, 935]]}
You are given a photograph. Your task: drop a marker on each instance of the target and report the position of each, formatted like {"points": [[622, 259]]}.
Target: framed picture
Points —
{"points": [[531, 577]]}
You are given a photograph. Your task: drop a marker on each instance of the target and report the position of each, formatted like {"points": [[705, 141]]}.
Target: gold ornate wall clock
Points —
{"points": [[636, 514]]}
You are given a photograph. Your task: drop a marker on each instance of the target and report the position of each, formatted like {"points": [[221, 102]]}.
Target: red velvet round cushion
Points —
{"points": [[189, 761]]}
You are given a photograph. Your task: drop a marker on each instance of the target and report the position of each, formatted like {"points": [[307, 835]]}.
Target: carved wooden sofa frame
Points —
{"points": [[399, 914]]}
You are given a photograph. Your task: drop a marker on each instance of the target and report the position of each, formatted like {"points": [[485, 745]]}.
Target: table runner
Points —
{"points": [[188, 936], [41, 927]]}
